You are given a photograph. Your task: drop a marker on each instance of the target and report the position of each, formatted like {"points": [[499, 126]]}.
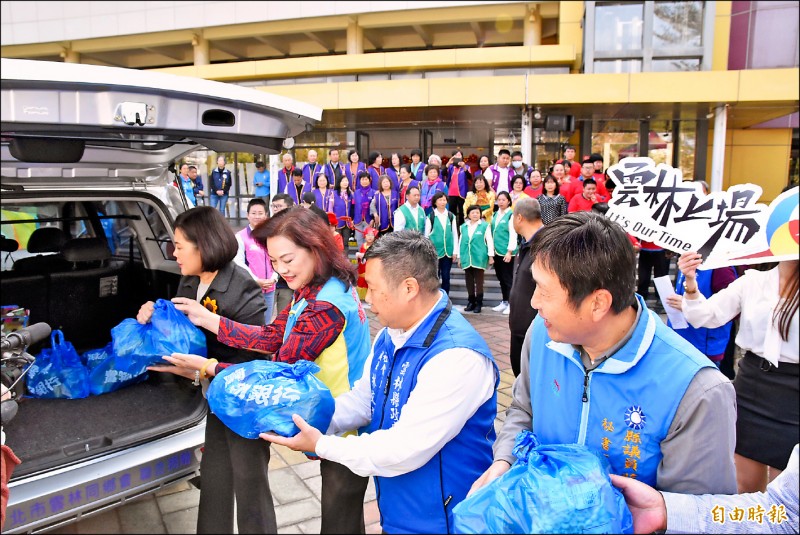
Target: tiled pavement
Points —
{"points": [[295, 480]]}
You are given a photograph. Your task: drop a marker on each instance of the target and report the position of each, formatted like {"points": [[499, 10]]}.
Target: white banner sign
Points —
{"points": [[728, 228]]}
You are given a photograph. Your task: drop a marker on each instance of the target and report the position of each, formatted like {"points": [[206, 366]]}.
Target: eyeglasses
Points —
{"points": [[277, 206]]}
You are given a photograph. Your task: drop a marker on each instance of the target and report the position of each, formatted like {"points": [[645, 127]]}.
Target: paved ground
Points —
{"points": [[294, 479]]}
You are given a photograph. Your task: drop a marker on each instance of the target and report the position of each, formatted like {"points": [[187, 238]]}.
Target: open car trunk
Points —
{"points": [[85, 300], [54, 432]]}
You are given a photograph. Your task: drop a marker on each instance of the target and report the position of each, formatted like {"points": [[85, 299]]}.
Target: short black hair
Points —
{"points": [[257, 201], [487, 185], [407, 167], [589, 182], [554, 179], [362, 174], [503, 151], [372, 157], [472, 208], [436, 196], [207, 228], [404, 254], [507, 195], [309, 197], [285, 197], [588, 252], [412, 186], [587, 160], [416, 152], [516, 153], [600, 207], [297, 172], [260, 164], [192, 167]]}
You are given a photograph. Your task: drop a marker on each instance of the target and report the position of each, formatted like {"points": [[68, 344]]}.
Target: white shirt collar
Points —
{"points": [[400, 337]]}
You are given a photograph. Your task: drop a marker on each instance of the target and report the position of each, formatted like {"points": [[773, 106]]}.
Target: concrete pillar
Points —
{"points": [[201, 53], [532, 28], [70, 56], [527, 134], [355, 38], [718, 146]]}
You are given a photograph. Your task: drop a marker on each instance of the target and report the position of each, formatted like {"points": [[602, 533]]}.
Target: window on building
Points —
{"points": [[625, 37], [619, 27], [677, 24]]}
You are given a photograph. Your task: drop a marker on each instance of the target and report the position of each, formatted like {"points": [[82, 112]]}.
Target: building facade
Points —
{"points": [[711, 87]]}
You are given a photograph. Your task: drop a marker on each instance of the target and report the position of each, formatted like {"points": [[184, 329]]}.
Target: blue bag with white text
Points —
{"points": [[109, 372], [552, 488], [58, 372], [260, 396], [168, 331]]}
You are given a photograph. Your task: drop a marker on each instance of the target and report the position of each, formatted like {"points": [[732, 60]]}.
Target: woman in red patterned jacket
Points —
{"points": [[325, 323]]}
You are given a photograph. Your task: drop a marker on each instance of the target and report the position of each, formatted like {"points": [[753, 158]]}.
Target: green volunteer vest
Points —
{"points": [[474, 252], [417, 224], [442, 238], [500, 233]]}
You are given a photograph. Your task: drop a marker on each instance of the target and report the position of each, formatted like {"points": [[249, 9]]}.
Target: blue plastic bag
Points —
{"points": [[92, 358], [167, 332], [260, 396], [58, 372], [554, 488], [109, 372]]}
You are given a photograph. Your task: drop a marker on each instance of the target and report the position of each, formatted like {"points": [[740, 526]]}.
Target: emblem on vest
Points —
{"points": [[635, 418]]}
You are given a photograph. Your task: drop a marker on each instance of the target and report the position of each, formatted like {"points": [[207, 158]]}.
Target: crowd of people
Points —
{"points": [[415, 407]]}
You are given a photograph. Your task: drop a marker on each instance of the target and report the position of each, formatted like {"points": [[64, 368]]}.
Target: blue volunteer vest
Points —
{"points": [[343, 361], [422, 501], [708, 341], [625, 406]]}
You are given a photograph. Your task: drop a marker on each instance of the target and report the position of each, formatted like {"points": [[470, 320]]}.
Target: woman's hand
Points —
{"points": [[491, 260], [675, 301], [145, 313], [183, 364], [688, 264], [266, 284], [197, 313], [507, 258]]}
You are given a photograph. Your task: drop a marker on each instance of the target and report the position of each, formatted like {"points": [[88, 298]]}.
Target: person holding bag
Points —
{"points": [[324, 324], [232, 466]]}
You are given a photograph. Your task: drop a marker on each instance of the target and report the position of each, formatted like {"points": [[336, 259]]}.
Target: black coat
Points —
{"points": [[238, 298], [521, 314]]}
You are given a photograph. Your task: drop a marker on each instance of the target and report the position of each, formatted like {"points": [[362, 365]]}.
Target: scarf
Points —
{"points": [[366, 198], [428, 190]]}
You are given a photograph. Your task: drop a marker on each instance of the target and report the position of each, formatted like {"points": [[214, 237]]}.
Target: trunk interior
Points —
{"points": [[48, 433]]}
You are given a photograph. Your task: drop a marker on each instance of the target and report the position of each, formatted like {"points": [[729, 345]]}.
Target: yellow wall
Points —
{"points": [[570, 29], [722, 36], [757, 157], [571, 89]]}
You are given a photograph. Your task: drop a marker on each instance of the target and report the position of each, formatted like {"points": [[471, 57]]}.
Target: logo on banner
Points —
{"points": [[653, 203]]}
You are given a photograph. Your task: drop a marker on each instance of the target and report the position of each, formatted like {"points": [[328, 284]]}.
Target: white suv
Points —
{"points": [[88, 204]]}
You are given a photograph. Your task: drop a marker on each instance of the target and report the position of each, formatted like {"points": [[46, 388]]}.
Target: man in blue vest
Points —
{"points": [[599, 369], [426, 402]]}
